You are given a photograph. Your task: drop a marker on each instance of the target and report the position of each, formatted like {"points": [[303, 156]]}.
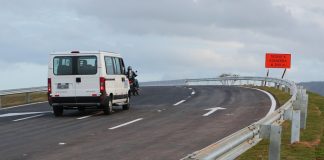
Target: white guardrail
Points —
{"points": [[269, 127], [25, 91]]}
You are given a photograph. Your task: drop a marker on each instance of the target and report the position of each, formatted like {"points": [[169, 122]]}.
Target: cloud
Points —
{"points": [[168, 39]]}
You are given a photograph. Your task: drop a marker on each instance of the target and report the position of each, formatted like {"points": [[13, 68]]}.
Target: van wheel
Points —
{"points": [[58, 111], [127, 105], [107, 108]]}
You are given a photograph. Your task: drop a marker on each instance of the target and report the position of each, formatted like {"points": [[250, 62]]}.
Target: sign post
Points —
{"points": [[278, 60], [265, 82], [284, 73]]}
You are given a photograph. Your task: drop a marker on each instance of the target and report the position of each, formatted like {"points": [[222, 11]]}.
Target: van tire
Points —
{"points": [[127, 105], [58, 111], [107, 108]]}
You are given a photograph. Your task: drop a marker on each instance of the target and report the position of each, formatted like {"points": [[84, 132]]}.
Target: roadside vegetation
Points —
{"points": [[18, 99], [311, 145]]}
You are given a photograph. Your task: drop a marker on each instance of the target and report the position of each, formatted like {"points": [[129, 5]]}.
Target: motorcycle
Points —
{"points": [[134, 87]]}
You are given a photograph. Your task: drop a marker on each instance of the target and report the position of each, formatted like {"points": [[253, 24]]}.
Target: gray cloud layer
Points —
{"points": [[171, 38]]}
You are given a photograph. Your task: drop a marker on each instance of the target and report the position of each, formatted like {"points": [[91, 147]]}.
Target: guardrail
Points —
{"points": [[269, 127], [26, 91]]}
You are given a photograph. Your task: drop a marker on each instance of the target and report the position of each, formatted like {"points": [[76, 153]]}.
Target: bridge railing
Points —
{"points": [[25, 91], [269, 127]]}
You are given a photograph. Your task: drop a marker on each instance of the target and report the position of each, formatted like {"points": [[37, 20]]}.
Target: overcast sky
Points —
{"points": [[169, 39]]}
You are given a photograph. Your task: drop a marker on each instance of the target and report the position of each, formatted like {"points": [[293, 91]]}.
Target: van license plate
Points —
{"points": [[62, 86]]}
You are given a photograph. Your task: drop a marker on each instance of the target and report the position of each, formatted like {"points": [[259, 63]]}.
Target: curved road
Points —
{"points": [[163, 123]]}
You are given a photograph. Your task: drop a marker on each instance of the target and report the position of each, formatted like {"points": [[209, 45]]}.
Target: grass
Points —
{"points": [[311, 145], [18, 99]]}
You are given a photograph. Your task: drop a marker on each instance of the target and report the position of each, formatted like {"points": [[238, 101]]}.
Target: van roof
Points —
{"points": [[85, 52]]}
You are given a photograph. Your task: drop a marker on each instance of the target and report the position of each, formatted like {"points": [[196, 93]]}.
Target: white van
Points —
{"points": [[80, 80]]}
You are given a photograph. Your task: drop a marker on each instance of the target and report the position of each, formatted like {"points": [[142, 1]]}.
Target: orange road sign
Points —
{"points": [[278, 60]]}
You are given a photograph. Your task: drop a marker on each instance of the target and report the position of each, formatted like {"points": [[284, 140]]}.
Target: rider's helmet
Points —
{"points": [[129, 68]]}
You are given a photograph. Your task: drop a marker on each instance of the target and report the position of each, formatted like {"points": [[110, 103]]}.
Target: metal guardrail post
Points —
{"points": [[275, 142], [27, 97], [0, 102], [291, 92], [286, 89], [295, 126], [304, 105], [273, 133], [275, 85], [296, 117]]}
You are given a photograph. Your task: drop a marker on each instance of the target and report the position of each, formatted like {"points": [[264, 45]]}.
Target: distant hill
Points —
{"points": [[317, 87]]}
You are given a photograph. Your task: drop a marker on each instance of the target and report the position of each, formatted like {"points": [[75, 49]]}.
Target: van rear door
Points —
{"points": [[87, 77], [63, 82]]}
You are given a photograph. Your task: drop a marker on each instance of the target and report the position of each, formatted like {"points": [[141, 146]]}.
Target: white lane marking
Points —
{"points": [[179, 102], [22, 113], [62, 143], [190, 88], [23, 105], [273, 101], [127, 123], [84, 117], [16, 120], [193, 92], [212, 110]]}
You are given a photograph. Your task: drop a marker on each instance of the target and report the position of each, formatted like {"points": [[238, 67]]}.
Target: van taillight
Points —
{"points": [[49, 85], [102, 85]]}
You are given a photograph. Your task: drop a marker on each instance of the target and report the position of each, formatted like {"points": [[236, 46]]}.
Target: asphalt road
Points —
{"points": [[163, 123]]}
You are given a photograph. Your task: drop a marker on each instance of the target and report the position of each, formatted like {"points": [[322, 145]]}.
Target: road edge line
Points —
{"points": [[39, 115]]}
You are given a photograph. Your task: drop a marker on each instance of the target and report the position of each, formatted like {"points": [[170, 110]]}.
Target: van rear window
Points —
{"points": [[75, 65], [87, 65], [63, 66]]}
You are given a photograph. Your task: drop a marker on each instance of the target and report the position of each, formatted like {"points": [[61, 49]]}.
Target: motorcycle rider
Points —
{"points": [[131, 76]]}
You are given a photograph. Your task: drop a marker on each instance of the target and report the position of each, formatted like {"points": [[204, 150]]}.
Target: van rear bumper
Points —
{"points": [[77, 101]]}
